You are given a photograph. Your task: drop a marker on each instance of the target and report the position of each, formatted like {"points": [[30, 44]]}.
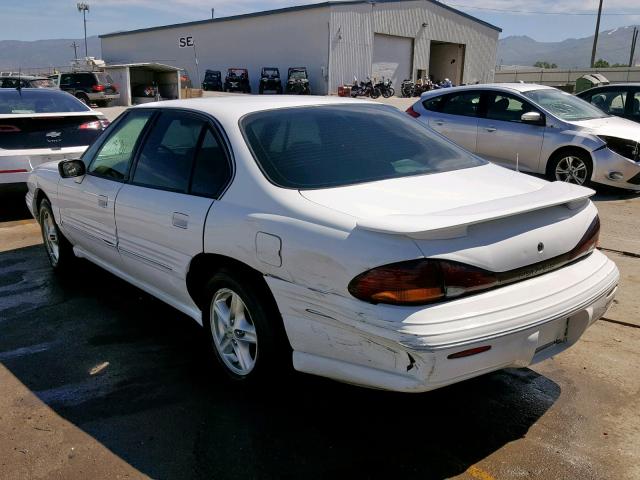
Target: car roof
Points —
{"points": [[232, 108], [505, 87], [612, 85]]}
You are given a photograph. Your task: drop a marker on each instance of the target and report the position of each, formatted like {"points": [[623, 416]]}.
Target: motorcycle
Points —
{"points": [[407, 88], [385, 87], [364, 89]]}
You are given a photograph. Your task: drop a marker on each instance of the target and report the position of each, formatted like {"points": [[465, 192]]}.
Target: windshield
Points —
{"points": [[298, 74], [236, 72], [38, 101], [564, 105], [270, 72], [336, 145], [212, 75]]}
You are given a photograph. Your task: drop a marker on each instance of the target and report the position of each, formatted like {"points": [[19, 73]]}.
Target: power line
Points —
{"points": [[534, 12]]}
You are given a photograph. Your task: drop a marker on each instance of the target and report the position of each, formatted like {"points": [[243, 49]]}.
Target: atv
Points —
{"points": [[212, 80], [237, 80], [270, 80], [298, 81]]}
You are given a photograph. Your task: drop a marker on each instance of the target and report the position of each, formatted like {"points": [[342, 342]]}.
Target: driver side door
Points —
{"points": [[87, 203]]}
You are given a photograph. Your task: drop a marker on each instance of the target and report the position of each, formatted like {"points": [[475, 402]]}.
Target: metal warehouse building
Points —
{"points": [[335, 40]]}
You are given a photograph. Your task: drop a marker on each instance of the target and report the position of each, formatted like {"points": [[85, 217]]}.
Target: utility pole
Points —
{"points": [[75, 50], [595, 37], [634, 39], [213, 11], [84, 8]]}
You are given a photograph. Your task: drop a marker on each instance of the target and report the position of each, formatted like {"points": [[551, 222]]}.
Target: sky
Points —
{"points": [[543, 20]]}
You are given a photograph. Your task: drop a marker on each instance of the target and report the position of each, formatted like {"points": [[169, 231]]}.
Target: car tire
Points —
{"points": [[248, 340], [570, 165], [59, 249], [279, 91], [84, 98], [261, 91]]}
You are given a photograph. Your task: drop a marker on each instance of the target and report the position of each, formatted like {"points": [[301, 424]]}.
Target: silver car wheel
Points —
{"points": [[233, 331], [571, 169], [50, 237]]}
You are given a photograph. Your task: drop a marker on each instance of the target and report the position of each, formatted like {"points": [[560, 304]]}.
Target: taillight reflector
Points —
{"points": [[95, 125], [469, 352], [98, 88], [412, 112], [19, 170], [9, 129]]}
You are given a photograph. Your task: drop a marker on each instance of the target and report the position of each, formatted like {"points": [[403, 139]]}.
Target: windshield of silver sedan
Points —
{"points": [[564, 105], [336, 145]]}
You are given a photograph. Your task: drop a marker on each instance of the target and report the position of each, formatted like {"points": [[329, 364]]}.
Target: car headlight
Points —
{"points": [[622, 146]]}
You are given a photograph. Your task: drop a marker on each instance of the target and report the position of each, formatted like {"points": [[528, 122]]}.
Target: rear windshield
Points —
{"points": [[335, 145], [298, 74], [104, 78], [26, 101]]}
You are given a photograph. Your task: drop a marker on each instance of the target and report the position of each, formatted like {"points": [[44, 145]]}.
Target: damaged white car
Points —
{"points": [[336, 235]]}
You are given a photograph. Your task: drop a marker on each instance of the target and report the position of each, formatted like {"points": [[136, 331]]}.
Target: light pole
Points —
{"points": [[595, 37], [84, 8]]}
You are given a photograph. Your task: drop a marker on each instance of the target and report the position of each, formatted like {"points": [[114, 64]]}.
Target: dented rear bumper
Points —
{"points": [[407, 348]]}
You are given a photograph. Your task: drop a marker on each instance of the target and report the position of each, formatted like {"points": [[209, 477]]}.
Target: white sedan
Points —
{"points": [[336, 235]]}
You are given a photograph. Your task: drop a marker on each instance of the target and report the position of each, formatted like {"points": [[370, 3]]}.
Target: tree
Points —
{"points": [[540, 64], [601, 63]]}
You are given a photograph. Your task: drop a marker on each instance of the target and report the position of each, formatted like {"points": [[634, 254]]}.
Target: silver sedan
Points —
{"points": [[538, 129]]}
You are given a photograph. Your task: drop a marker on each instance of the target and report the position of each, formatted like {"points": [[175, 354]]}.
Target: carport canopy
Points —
{"points": [[126, 75]]}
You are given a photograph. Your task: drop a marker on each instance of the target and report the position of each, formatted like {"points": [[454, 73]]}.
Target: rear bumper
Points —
{"points": [[103, 96], [16, 165], [406, 349], [607, 162]]}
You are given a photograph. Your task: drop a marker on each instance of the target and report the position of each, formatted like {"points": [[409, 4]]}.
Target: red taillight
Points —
{"points": [[100, 124], [98, 88], [9, 129], [412, 112], [423, 281]]}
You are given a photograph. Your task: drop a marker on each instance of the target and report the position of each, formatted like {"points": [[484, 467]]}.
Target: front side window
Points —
{"points": [[635, 106], [167, 156], [610, 101], [506, 108], [465, 104], [115, 154], [335, 145], [564, 105]]}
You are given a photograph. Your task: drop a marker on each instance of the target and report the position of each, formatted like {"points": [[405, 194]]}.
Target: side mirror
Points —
{"points": [[71, 168], [532, 117]]}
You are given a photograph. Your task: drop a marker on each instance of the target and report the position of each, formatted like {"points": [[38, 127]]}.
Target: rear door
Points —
{"points": [[180, 170], [504, 138], [456, 117], [87, 204]]}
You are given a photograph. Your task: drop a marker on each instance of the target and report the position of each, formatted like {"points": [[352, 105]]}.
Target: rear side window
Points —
{"points": [[334, 145], [434, 104], [167, 156], [114, 156], [465, 104], [212, 169]]}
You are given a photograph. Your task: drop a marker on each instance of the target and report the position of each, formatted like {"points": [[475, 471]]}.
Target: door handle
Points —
{"points": [[491, 129], [180, 220], [439, 122], [103, 201]]}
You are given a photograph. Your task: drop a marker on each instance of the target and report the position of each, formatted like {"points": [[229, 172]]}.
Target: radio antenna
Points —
{"points": [[517, 162]]}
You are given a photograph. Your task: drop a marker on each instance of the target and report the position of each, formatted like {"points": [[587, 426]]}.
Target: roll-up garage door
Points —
{"points": [[392, 58]]}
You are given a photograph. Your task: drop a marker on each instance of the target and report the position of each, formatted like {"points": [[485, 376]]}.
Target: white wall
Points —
{"points": [[290, 39]]}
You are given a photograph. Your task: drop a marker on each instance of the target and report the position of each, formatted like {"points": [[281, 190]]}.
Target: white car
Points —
{"points": [[538, 129], [38, 125], [336, 235]]}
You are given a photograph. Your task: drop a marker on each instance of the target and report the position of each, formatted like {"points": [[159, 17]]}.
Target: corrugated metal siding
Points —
{"points": [[290, 39], [356, 24]]}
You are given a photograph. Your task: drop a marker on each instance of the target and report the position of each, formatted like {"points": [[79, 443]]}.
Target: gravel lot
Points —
{"points": [[100, 380]]}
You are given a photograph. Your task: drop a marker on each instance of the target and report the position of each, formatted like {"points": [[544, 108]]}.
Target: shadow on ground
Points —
{"points": [[162, 407], [12, 206]]}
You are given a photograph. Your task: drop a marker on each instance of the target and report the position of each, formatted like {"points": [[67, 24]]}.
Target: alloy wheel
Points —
{"points": [[50, 236], [233, 331], [571, 169]]}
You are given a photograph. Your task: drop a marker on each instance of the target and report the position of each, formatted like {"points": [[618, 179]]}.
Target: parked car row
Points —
{"points": [[539, 129], [237, 80]]}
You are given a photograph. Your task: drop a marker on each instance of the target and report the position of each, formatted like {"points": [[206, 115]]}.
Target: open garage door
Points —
{"points": [[446, 60], [392, 58]]}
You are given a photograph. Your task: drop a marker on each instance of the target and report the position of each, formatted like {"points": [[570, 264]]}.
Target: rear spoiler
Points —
{"points": [[453, 223]]}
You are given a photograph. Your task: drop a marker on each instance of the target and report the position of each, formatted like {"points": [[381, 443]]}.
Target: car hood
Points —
{"points": [[611, 126]]}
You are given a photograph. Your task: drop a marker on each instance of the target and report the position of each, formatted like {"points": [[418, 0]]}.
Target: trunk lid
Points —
{"points": [[485, 216], [48, 131]]}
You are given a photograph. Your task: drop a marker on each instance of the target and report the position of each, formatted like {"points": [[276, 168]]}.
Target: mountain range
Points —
{"points": [[614, 46], [41, 54]]}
